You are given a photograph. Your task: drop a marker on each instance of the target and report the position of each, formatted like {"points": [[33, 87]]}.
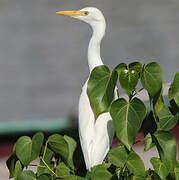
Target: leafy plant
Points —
{"points": [[59, 156]]}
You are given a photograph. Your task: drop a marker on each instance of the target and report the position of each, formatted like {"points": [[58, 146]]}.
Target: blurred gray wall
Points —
{"points": [[43, 57]]}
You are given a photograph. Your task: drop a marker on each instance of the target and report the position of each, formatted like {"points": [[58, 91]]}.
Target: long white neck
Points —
{"points": [[94, 58]]}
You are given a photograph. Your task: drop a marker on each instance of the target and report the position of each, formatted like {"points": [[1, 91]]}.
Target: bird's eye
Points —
{"points": [[86, 12]]}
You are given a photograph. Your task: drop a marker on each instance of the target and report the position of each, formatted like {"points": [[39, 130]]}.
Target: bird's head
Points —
{"points": [[90, 15]]}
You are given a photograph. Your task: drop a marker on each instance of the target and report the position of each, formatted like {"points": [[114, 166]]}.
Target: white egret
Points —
{"points": [[95, 135]]}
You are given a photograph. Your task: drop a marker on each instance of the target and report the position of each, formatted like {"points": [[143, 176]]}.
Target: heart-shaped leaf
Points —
{"points": [[173, 93], [127, 118], [151, 78], [71, 147], [59, 145], [24, 149], [101, 85], [161, 168], [128, 76], [64, 146], [37, 141]]}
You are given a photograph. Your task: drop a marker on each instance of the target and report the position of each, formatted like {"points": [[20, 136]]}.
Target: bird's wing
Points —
{"points": [[86, 126], [104, 133], [95, 136]]}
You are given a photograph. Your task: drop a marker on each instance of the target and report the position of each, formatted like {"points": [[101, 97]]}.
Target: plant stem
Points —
{"points": [[138, 91], [48, 167], [45, 149], [43, 157], [134, 93]]}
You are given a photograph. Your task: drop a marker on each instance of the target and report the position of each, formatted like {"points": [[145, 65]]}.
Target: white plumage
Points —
{"points": [[95, 135]]}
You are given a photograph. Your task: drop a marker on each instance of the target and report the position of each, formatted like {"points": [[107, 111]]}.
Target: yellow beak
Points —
{"points": [[72, 13]]}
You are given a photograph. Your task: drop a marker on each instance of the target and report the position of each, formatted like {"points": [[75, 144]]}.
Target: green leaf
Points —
{"points": [[71, 177], [118, 156], [119, 68], [100, 172], [62, 170], [161, 168], [152, 175], [44, 169], [176, 172], [37, 141], [127, 177], [127, 118], [166, 119], [167, 147], [128, 76], [157, 101], [81, 178], [59, 145], [135, 164], [48, 156], [18, 169], [148, 142], [173, 93], [24, 149], [101, 85], [151, 78], [138, 177], [11, 162], [26, 175], [137, 66], [149, 124], [71, 148], [43, 177]]}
